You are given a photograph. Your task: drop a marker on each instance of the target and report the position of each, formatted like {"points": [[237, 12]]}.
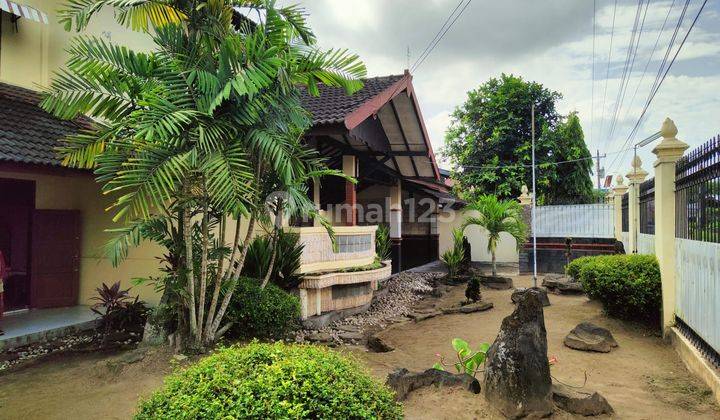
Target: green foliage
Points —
{"points": [[454, 257], [269, 313], [118, 310], [571, 183], [488, 142], [497, 216], [288, 256], [472, 291], [468, 361], [272, 381], [201, 127], [382, 242], [627, 285]]}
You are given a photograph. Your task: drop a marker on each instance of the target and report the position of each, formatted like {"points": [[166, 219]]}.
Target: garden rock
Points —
{"points": [[541, 293], [589, 337], [497, 283], [403, 381], [421, 316], [468, 308], [378, 345], [562, 284], [580, 402], [517, 372], [352, 336], [319, 337]]}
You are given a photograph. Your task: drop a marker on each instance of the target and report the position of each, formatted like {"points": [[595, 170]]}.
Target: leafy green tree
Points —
{"points": [[197, 131], [489, 141], [497, 216], [571, 182]]}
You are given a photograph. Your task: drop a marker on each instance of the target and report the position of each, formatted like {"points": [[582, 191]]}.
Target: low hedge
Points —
{"points": [[269, 313], [627, 285], [272, 381]]}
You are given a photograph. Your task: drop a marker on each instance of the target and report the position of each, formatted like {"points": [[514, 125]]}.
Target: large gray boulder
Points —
{"points": [[403, 381], [587, 336], [541, 293], [497, 283], [562, 284], [517, 372], [580, 401]]}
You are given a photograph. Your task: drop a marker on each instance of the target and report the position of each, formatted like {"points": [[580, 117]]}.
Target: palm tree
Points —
{"points": [[198, 130], [497, 216]]}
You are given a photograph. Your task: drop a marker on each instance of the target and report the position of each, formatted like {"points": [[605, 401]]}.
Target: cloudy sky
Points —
{"points": [[550, 42]]}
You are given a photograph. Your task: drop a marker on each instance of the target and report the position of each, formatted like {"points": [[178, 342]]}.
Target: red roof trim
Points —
{"points": [[373, 105], [431, 153]]}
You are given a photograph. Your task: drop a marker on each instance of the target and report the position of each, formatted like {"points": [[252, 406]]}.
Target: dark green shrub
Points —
{"points": [[627, 285], [272, 381], [269, 313], [287, 259], [573, 269], [472, 291]]}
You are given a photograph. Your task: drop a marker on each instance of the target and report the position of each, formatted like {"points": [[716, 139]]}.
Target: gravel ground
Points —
{"points": [[392, 303]]}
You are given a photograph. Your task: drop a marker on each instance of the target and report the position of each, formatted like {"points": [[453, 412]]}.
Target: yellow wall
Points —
{"points": [[449, 220], [29, 56], [80, 192]]}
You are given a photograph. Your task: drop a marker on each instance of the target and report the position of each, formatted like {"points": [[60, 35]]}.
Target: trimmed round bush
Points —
{"points": [[269, 313], [628, 286], [272, 381]]}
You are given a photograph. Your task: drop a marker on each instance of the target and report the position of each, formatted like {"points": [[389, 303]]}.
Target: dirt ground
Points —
{"points": [[642, 379]]}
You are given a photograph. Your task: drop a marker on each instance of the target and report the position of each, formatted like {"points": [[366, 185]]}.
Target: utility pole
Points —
{"points": [[534, 196], [597, 167]]}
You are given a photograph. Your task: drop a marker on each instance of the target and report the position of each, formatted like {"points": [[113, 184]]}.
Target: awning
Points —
{"points": [[22, 10]]}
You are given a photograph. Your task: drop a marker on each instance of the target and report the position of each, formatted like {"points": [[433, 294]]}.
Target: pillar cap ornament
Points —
{"points": [[637, 174], [670, 149], [525, 198], [620, 188]]}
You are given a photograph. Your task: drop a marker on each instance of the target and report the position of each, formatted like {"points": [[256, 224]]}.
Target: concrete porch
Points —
{"points": [[37, 325]]}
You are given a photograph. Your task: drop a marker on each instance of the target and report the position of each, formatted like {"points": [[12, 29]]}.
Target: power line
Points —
{"points": [[544, 164], [607, 72], [652, 54], [660, 77], [592, 102], [437, 34], [437, 41], [632, 54]]}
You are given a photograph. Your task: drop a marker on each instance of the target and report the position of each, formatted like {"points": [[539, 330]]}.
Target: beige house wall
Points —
{"points": [[29, 56], [78, 191], [451, 219]]}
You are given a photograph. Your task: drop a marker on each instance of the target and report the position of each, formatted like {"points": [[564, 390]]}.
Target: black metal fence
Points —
{"points": [[625, 217], [697, 193], [646, 202]]}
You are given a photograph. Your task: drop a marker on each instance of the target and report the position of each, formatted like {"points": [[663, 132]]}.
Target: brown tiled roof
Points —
{"points": [[334, 104], [27, 133]]}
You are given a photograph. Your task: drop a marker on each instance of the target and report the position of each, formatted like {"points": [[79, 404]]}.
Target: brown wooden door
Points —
{"points": [[55, 256]]}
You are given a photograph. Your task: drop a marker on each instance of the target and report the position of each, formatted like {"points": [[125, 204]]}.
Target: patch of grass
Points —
{"points": [[686, 393]]}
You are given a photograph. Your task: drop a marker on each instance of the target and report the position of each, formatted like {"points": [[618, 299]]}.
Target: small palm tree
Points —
{"points": [[497, 216]]}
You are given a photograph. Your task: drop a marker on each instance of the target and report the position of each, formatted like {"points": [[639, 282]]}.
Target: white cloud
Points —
{"points": [[550, 42]]}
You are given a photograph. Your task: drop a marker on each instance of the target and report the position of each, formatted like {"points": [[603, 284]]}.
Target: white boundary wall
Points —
{"points": [[697, 287], [577, 220], [447, 221], [646, 243]]}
